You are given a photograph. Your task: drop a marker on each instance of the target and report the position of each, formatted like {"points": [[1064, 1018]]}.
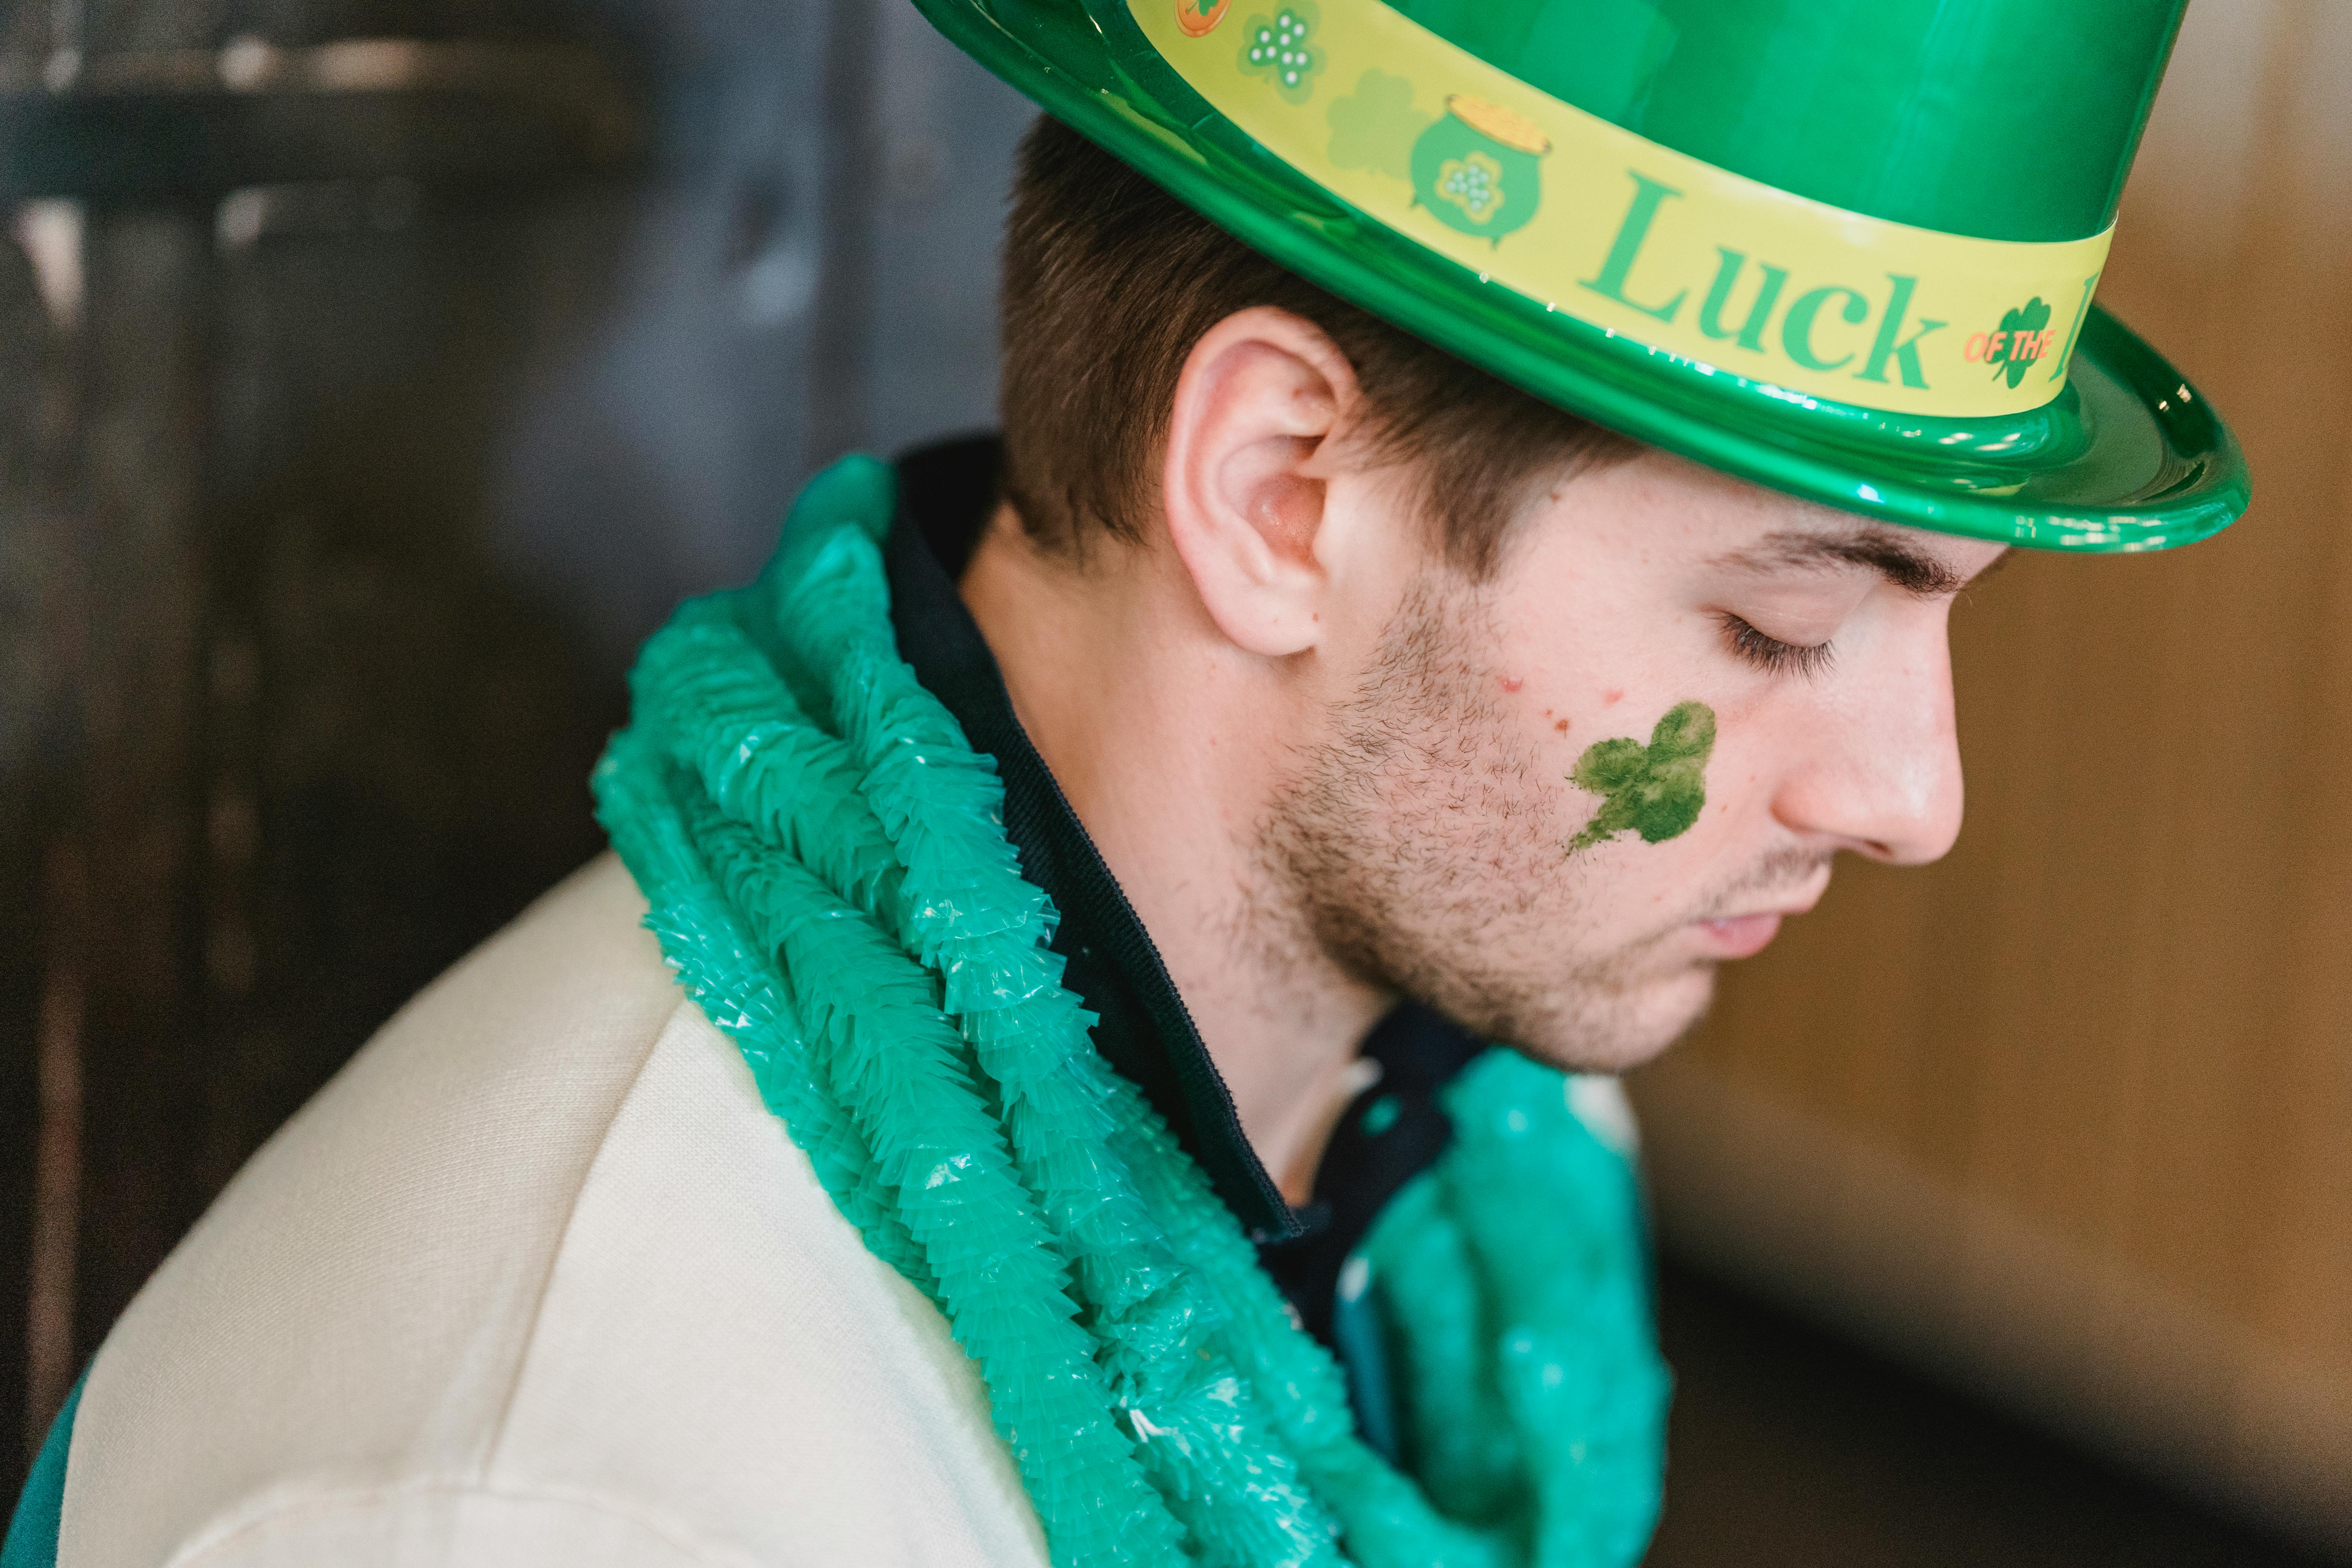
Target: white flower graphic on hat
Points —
{"points": [[1279, 48], [1473, 183]]}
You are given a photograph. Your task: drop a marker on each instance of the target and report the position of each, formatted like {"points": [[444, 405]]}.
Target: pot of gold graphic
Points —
{"points": [[1478, 168]]}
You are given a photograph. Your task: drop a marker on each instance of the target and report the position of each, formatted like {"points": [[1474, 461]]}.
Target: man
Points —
{"points": [[1050, 1113]]}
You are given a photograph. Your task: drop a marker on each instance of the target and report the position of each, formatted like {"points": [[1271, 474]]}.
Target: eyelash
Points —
{"points": [[1772, 655]]}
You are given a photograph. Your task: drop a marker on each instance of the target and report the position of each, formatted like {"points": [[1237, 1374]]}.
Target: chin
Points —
{"points": [[1628, 1027]]}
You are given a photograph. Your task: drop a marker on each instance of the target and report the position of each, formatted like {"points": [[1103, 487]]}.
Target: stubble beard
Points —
{"points": [[1420, 844]]}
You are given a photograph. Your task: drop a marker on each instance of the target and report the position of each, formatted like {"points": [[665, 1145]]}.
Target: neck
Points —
{"points": [[1168, 741]]}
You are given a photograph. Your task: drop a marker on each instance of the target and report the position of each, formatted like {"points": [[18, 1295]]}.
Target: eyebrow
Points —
{"points": [[1881, 550]]}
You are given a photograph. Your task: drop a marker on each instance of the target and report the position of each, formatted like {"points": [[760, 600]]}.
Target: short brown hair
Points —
{"points": [[1110, 281]]}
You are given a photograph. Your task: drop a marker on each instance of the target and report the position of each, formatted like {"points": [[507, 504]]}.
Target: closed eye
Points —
{"points": [[1772, 655]]}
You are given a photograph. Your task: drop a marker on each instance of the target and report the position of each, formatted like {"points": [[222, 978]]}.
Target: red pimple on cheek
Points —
{"points": [[1561, 726], [1510, 682], [1609, 699]]}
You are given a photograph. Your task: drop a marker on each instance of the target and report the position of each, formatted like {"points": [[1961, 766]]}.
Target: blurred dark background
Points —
{"points": [[374, 376]]}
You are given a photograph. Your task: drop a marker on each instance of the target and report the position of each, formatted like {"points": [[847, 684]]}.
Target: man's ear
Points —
{"points": [[1260, 397]]}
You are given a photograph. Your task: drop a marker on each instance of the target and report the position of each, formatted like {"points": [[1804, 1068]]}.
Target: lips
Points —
{"points": [[1797, 887], [1740, 936]]}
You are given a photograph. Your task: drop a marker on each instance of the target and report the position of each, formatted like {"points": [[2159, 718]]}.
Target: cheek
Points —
{"points": [[1738, 787], [1651, 785], [1607, 682], [1568, 726]]}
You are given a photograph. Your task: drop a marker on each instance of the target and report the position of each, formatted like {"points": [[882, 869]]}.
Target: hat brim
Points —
{"points": [[2128, 457]]}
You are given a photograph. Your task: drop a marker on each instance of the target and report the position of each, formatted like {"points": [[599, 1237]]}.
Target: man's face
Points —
{"points": [[1550, 804]]}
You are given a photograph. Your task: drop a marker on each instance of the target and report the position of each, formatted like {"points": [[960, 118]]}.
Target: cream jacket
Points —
{"points": [[535, 1282]]}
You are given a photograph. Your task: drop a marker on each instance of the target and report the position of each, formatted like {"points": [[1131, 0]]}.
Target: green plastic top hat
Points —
{"points": [[1843, 247]]}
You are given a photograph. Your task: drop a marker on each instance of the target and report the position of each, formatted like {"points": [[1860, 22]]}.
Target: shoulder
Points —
{"points": [[537, 1269], [364, 1286], [448, 1524]]}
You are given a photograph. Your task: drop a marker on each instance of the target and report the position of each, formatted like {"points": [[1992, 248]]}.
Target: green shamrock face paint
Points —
{"points": [[1654, 790]]}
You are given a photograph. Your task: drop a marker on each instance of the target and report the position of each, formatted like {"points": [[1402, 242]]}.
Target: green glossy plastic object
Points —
{"points": [[2009, 119], [2002, 119]]}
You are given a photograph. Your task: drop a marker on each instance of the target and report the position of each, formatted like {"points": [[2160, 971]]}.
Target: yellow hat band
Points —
{"points": [[1607, 227]]}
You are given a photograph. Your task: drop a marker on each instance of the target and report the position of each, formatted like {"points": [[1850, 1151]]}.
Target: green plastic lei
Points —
{"points": [[826, 860]]}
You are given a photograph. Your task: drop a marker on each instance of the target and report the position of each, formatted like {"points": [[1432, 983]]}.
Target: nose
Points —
{"points": [[1883, 778]]}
